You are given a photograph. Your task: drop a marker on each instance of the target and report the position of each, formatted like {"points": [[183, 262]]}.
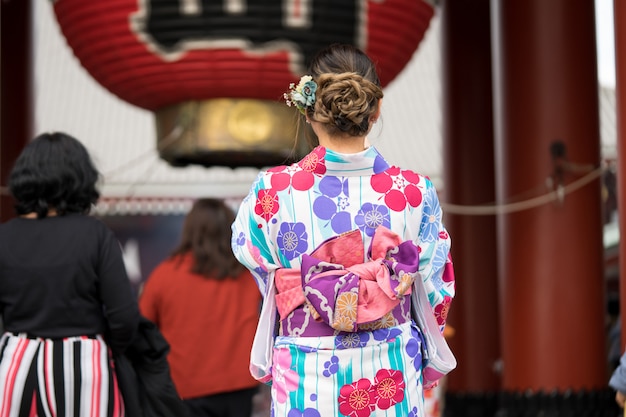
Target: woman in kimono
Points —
{"points": [[335, 243]]}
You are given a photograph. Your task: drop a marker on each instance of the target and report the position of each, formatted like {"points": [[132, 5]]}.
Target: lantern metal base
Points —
{"points": [[229, 132]]}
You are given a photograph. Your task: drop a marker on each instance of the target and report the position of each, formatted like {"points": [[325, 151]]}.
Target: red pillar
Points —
{"points": [[469, 180], [619, 11], [16, 112], [551, 268]]}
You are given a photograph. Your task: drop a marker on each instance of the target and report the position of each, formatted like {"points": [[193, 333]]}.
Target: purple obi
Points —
{"points": [[334, 291]]}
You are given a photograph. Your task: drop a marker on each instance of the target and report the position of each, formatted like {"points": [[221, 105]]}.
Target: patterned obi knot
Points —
{"points": [[342, 290]]}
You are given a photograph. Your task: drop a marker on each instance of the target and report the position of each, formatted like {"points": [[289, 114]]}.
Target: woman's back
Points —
{"points": [[337, 244], [65, 299], [357, 191], [209, 325], [56, 274]]}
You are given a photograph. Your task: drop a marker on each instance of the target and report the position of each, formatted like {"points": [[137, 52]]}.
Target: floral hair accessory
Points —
{"points": [[303, 94]]}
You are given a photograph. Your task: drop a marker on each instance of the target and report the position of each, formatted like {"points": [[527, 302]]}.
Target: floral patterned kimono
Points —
{"points": [[343, 237]]}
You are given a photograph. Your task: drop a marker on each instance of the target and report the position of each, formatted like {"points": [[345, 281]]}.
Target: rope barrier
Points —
{"points": [[507, 208], [466, 210]]}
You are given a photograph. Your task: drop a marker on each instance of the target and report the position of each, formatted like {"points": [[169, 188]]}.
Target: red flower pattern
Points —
{"points": [[399, 187], [361, 398], [389, 388], [357, 399], [266, 204], [441, 310], [448, 271], [301, 175]]}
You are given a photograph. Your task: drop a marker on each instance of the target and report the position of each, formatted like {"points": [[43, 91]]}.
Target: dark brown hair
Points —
{"points": [[348, 91], [206, 235]]}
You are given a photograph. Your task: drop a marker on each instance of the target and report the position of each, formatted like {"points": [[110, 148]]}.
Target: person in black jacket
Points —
{"points": [[65, 298], [144, 376]]}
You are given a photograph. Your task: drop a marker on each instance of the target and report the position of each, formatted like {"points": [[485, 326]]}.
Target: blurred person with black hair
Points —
{"points": [[65, 298]]}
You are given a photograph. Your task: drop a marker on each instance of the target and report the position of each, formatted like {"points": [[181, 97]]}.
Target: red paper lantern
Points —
{"points": [[156, 54]]}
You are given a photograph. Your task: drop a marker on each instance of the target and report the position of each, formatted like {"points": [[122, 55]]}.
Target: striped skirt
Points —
{"points": [[69, 377]]}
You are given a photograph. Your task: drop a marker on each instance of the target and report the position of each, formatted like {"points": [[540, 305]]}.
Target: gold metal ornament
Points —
{"points": [[229, 132]]}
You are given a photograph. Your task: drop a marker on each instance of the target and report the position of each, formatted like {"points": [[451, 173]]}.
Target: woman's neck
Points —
{"points": [[349, 144], [33, 215]]}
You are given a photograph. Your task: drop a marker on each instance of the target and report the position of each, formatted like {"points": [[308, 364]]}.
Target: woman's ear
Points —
{"points": [[376, 114]]}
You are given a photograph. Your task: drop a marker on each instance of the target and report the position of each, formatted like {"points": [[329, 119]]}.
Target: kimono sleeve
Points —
{"points": [[249, 242], [435, 265], [618, 378]]}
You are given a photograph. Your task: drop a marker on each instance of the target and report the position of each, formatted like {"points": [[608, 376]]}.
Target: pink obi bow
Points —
{"points": [[344, 291]]}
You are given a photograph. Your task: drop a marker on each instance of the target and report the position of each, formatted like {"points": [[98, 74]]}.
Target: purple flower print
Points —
{"points": [[386, 334], [351, 340], [262, 273], [380, 164], [292, 239], [331, 367], [414, 348], [241, 239], [370, 216], [332, 203], [308, 412], [324, 207], [307, 349]]}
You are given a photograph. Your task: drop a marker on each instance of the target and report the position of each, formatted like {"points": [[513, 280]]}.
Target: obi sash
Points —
{"points": [[343, 291]]}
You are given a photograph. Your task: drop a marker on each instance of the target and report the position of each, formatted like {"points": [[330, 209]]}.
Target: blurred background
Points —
{"points": [[510, 106]]}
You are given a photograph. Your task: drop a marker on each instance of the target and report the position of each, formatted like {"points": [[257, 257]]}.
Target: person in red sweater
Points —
{"points": [[207, 306]]}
